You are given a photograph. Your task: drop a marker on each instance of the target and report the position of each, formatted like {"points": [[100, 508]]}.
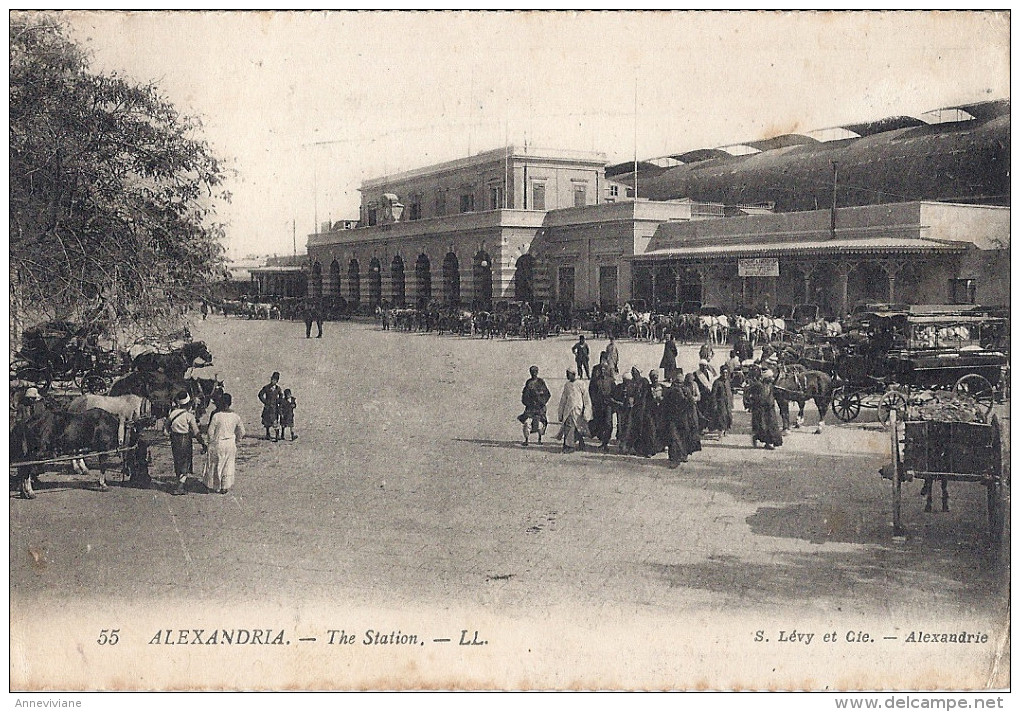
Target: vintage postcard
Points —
{"points": [[509, 351]]}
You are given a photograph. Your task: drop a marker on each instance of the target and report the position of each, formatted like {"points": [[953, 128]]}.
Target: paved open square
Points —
{"points": [[408, 486]]}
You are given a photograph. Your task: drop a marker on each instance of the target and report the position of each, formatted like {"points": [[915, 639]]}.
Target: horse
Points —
{"points": [[157, 387], [53, 434], [176, 363], [799, 385], [128, 408]]}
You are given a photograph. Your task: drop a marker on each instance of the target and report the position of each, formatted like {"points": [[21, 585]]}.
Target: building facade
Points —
{"points": [[546, 226]]}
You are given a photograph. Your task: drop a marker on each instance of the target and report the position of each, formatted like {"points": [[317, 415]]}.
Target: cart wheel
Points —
{"points": [[977, 387], [892, 400], [37, 375], [846, 404], [94, 383]]}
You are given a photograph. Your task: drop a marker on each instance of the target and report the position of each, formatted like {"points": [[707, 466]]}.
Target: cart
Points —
{"points": [[938, 451], [898, 359]]}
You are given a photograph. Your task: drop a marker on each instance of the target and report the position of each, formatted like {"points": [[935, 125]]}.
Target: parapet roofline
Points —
{"points": [[593, 158]]}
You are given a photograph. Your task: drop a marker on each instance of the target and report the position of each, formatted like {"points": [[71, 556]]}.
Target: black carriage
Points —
{"points": [[897, 359], [61, 351]]}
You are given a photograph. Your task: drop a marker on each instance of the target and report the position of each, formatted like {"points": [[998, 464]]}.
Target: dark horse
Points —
{"points": [[176, 363], [796, 384], [50, 435], [161, 390]]}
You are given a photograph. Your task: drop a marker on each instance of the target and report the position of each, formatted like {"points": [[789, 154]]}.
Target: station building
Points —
{"points": [[548, 226]]}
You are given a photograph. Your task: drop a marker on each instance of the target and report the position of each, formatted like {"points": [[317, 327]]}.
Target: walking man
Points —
{"points": [[575, 407], [613, 356], [582, 354], [182, 428], [271, 397], [534, 397]]}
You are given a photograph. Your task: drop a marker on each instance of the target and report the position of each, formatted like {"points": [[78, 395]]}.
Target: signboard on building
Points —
{"points": [[758, 267]]}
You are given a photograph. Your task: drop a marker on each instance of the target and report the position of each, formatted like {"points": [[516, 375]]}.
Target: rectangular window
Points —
{"points": [[414, 209], [565, 285], [962, 291], [467, 202], [495, 197], [630, 192], [614, 191], [373, 216], [538, 196], [580, 195], [441, 203]]}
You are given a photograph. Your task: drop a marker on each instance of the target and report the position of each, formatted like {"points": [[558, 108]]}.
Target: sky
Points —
{"points": [[304, 106]]}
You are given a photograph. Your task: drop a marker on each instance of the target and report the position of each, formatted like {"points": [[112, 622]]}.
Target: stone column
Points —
{"points": [[891, 269], [843, 271]]}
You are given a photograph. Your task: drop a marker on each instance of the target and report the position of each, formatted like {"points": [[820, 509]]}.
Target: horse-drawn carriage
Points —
{"points": [[899, 359], [65, 352]]}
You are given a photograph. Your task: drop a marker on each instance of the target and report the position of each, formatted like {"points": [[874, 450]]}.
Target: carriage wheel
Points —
{"points": [[37, 375], [891, 400], [846, 404], [94, 383], [996, 500], [976, 386]]}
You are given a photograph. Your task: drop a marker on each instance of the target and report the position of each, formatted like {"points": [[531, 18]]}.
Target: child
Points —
{"points": [[287, 407]]}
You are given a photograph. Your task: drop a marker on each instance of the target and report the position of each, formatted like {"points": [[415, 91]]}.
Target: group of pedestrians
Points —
{"points": [[219, 442], [666, 411], [278, 406]]}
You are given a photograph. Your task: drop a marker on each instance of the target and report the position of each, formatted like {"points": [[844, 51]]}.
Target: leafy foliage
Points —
{"points": [[112, 192]]}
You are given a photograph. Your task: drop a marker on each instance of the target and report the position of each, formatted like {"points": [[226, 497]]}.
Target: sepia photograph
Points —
{"points": [[532, 350]]}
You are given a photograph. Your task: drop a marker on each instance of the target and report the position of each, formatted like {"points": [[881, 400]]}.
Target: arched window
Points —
{"points": [[354, 282], [451, 280], [316, 284], [482, 277], [374, 283], [423, 280], [524, 279], [397, 281], [334, 279]]}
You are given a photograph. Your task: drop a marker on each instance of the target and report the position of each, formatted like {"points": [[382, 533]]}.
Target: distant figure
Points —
{"points": [[312, 313], [575, 407], [287, 408], [204, 309], [534, 397], [707, 353], [182, 428], [582, 354], [225, 434], [619, 398], [761, 401], [271, 396], [613, 357], [677, 407], [668, 361], [600, 390], [31, 404], [722, 394]]}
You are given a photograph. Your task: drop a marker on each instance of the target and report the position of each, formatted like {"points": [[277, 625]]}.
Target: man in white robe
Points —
{"points": [[575, 409]]}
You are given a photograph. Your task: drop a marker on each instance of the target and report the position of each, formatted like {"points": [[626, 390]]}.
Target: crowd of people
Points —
{"points": [[666, 411]]}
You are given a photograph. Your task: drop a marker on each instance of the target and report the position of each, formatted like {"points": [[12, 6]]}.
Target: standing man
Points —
{"points": [[621, 403], [308, 313], [600, 390], [575, 407], [317, 311], [582, 354], [534, 397], [271, 397], [613, 356], [668, 361], [182, 428]]}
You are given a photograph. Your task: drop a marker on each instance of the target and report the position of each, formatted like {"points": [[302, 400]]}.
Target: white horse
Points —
{"points": [[127, 408], [717, 327]]}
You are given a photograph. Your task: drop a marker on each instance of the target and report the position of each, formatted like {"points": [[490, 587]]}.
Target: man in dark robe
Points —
{"points": [[643, 435], [621, 406], [722, 394], [692, 428], [668, 361], [761, 401], [676, 409], [534, 397], [600, 389]]}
